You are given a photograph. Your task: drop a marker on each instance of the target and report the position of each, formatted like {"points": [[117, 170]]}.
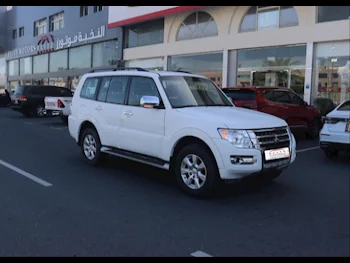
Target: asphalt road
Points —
{"points": [[128, 209]]}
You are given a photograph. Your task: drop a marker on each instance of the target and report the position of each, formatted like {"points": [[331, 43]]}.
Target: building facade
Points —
{"points": [[56, 45], [305, 48]]}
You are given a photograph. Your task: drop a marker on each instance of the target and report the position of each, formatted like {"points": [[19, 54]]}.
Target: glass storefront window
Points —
{"points": [[105, 54], [149, 64], [2, 72], [332, 13], [146, 33], [73, 83], [59, 61], [209, 65], [80, 57], [59, 82], [43, 82], [25, 66], [13, 67], [331, 72], [41, 64], [282, 66], [13, 85]]}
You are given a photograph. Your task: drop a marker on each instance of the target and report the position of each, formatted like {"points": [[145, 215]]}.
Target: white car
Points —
{"points": [[59, 106], [177, 121], [335, 134]]}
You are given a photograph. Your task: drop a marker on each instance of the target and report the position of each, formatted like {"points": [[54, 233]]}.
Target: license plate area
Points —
{"points": [[276, 154]]}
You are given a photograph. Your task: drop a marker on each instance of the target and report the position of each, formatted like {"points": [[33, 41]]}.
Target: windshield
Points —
{"points": [[345, 106], [185, 91]]}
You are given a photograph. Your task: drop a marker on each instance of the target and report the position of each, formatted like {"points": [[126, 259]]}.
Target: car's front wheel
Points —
{"points": [[90, 146], [196, 171]]}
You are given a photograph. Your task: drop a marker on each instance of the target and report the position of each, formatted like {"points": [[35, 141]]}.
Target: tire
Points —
{"points": [[90, 134], [329, 153], [212, 179], [40, 111], [313, 130]]}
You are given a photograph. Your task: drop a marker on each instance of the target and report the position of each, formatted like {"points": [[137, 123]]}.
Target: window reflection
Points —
{"points": [[25, 66], [58, 61], [105, 54], [80, 57], [268, 17], [41, 64], [332, 13], [273, 67], [331, 71], [147, 33], [59, 82], [209, 65], [13, 67]]}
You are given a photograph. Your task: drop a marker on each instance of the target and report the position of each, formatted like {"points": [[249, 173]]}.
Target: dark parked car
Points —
{"points": [[29, 99]]}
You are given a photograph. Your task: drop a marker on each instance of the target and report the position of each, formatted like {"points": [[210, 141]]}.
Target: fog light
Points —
{"points": [[242, 160]]}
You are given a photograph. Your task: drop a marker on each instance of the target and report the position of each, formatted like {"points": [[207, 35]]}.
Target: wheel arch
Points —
{"points": [[184, 139], [83, 126]]}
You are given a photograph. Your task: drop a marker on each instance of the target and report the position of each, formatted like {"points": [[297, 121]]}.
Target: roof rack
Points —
{"points": [[116, 69]]}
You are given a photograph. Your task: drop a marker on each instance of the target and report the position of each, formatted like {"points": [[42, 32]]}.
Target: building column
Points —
{"points": [[308, 72], [224, 69], [232, 68], [165, 63]]}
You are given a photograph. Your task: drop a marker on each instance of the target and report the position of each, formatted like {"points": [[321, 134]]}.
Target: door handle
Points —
{"points": [[98, 108], [128, 113]]}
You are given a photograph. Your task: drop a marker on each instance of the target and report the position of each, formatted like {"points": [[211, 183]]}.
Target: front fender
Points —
{"points": [[193, 132]]}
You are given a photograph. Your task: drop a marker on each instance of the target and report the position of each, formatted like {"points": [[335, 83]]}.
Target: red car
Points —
{"points": [[280, 102]]}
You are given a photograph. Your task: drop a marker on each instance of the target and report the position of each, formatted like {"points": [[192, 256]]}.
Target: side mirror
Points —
{"points": [[305, 103], [149, 102]]}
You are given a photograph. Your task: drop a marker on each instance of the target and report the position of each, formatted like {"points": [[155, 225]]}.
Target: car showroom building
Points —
{"points": [[57, 44], [305, 48]]}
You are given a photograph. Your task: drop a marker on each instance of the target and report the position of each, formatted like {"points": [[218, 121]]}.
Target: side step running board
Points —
{"points": [[136, 157]]}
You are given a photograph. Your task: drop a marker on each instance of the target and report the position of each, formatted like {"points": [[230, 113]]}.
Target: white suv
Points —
{"points": [[178, 121]]}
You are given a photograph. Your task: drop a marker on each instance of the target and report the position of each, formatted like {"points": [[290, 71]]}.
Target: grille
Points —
{"points": [[266, 139], [270, 138]]}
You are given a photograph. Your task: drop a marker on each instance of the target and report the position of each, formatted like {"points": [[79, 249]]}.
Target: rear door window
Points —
{"points": [[117, 89], [278, 96], [89, 88], [102, 93], [241, 95]]}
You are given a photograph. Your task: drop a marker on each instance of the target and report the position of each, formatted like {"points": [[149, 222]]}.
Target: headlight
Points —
{"points": [[238, 138]]}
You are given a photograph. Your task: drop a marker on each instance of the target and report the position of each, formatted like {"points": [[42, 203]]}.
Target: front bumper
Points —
{"points": [[232, 171]]}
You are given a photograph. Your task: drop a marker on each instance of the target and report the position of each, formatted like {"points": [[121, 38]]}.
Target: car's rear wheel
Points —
{"points": [[313, 130], [40, 111], [196, 171], [91, 147], [330, 153]]}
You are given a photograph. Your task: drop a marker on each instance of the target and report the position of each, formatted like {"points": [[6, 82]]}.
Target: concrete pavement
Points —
{"points": [[128, 209]]}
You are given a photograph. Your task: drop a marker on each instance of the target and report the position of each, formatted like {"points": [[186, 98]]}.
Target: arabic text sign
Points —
{"points": [[81, 38]]}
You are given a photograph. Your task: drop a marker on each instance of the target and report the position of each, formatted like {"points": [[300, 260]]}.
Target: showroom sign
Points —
{"points": [[125, 15], [47, 43]]}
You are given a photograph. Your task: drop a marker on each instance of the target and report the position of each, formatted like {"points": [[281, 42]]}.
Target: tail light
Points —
{"points": [[329, 120], [22, 98], [60, 104]]}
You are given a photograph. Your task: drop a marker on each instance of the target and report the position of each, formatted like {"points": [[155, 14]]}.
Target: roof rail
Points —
{"points": [[116, 69]]}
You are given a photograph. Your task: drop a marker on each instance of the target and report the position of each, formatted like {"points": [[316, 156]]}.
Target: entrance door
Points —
{"points": [[271, 78]]}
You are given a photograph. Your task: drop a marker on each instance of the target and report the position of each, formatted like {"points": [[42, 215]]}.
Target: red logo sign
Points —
{"points": [[46, 44]]}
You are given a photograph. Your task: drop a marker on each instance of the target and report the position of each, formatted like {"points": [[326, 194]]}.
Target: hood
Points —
{"points": [[234, 117]]}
